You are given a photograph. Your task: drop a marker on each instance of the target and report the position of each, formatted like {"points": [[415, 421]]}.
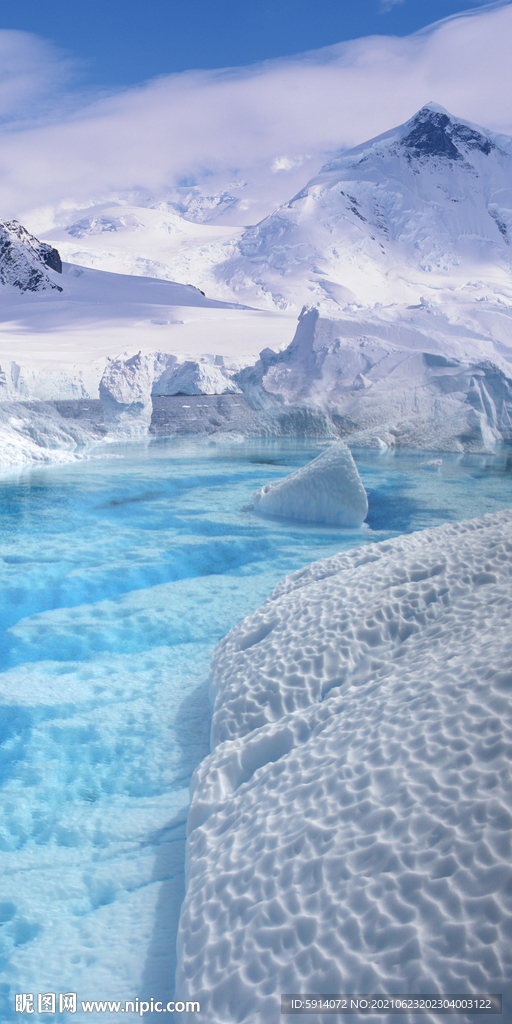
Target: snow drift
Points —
{"points": [[327, 490], [351, 829]]}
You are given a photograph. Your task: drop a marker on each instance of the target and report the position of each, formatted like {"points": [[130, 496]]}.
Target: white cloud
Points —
{"points": [[35, 79], [387, 5], [283, 163], [218, 124]]}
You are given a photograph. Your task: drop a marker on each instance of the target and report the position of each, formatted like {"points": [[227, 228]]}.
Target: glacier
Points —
{"points": [[419, 380], [351, 829], [327, 490]]}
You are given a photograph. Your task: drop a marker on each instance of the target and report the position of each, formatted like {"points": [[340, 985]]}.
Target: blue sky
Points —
{"points": [[123, 42], [252, 95]]}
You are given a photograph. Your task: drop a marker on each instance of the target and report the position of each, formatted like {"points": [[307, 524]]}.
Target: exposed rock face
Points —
{"points": [[24, 259], [434, 133]]}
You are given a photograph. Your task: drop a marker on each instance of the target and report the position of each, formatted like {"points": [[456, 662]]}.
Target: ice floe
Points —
{"points": [[327, 490]]}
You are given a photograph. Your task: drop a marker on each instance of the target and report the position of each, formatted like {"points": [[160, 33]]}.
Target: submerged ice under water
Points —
{"points": [[119, 575]]}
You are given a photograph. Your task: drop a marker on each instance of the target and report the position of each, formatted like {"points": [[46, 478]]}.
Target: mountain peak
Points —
{"points": [[433, 132]]}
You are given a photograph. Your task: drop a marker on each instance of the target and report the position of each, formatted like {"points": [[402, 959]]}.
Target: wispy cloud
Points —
{"points": [[387, 5], [284, 115], [38, 81]]}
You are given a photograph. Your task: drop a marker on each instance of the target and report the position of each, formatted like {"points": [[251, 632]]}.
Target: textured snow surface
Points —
{"points": [[327, 490], [351, 830]]}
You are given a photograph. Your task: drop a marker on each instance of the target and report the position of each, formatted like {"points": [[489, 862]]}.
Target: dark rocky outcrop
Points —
{"points": [[24, 259], [435, 133]]}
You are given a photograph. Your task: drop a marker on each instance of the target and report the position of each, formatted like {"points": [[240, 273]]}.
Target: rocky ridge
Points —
{"points": [[24, 260]]}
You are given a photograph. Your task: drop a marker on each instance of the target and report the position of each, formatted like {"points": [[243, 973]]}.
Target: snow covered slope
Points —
{"points": [[351, 829], [423, 210], [172, 240], [404, 244], [54, 344]]}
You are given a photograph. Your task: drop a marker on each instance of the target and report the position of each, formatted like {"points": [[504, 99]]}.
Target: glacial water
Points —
{"points": [[119, 575]]}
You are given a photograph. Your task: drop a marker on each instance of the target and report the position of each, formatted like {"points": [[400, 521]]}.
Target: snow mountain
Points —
{"points": [[25, 261], [415, 215]]}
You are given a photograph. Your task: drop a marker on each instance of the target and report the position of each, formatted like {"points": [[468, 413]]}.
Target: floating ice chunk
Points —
{"points": [[431, 464], [328, 490]]}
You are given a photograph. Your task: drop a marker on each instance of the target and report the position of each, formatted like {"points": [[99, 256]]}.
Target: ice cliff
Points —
{"points": [[351, 829], [36, 433], [125, 390], [327, 490], [196, 377], [417, 379]]}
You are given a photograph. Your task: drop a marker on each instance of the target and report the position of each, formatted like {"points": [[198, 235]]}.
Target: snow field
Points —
{"points": [[350, 831], [327, 490]]}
